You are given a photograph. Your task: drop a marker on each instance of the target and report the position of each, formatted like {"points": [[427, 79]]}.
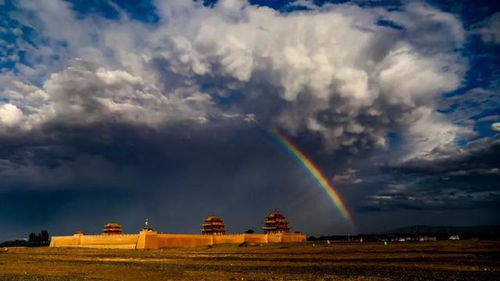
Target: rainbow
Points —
{"points": [[314, 172]]}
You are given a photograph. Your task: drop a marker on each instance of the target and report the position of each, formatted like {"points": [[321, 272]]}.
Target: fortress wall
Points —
{"points": [[286, 237], [256, 238], [293, 237], [110, 246], [229, 239], [153, 240], [119, 241], [65, 241], [274, 237], [184, 240], [147, 240], [109, 239]]}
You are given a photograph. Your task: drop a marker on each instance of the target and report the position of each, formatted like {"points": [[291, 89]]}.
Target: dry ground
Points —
{"points": [[457, 260]]}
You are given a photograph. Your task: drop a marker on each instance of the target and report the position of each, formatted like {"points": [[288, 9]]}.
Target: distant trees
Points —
{"points": [[34, 240], [39, 239], [44, 235], [250, 231], [312, 238]]}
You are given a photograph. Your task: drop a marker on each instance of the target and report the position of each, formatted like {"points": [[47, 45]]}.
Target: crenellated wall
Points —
{"points": [[155, 240]]}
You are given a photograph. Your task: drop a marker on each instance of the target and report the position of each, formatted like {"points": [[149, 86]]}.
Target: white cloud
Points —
{"points": [[429, 28], [348, 177], [332, 71], [10, 115], [431, 136], [85, 94], [465, 106], [495, 126], [489, 29]]}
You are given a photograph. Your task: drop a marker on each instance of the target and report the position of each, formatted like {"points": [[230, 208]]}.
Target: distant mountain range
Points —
{"points": [[422, 229]]}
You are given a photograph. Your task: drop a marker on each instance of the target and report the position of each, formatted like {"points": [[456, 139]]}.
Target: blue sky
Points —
{"points": [[126, 110]]}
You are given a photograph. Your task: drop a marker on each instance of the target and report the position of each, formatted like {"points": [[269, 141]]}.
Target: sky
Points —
{"points": [[169, 110]]}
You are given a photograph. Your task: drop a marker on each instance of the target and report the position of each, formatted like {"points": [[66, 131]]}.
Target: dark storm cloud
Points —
{"points": [[477, 155], [466, 179], [172, 181], [142, 149]]}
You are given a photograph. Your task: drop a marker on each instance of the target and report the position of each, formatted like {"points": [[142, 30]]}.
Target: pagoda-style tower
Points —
{"points": [[112, 228], [275, 223], [213, 225]]}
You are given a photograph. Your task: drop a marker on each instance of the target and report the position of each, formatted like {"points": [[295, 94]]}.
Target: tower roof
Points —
{"points": [[112, 228], [275, 214], [213, 225], [213, 218]]}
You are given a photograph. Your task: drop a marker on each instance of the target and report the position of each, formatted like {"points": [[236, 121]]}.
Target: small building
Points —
{"points": [[213, 225], [147, 226], [275, 222], [426, 238], [112, 228], [454, 237]]}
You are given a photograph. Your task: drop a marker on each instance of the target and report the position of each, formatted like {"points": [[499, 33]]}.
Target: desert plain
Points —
{"points": [[437, 260]]}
